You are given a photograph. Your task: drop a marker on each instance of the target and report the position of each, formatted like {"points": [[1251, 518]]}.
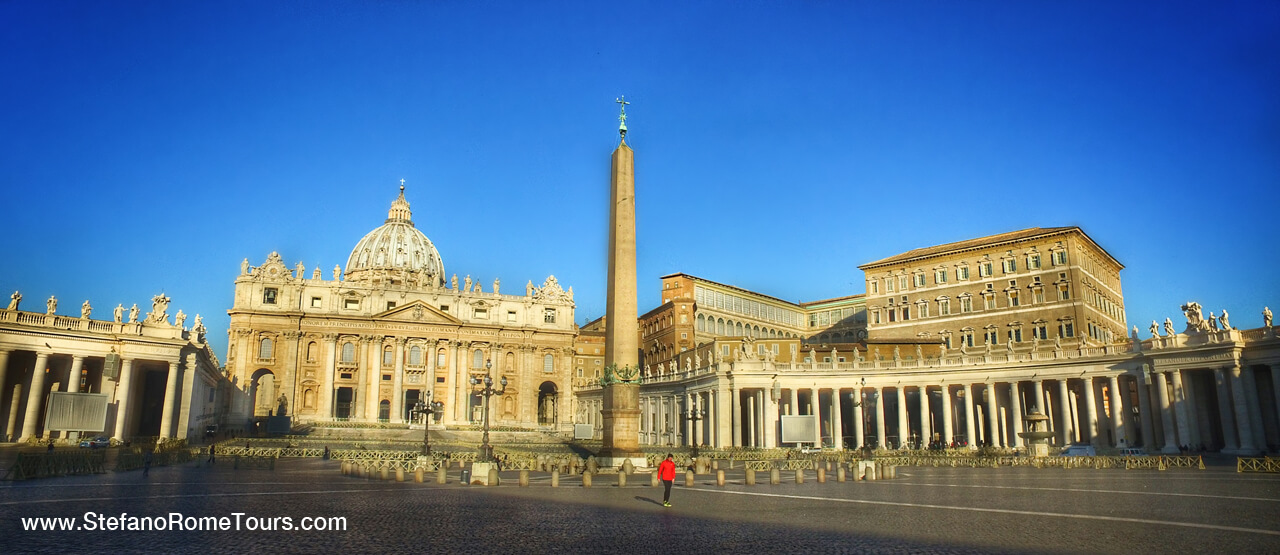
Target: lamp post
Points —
{"points": [[484, 387], [695, 414], [425, 407]]}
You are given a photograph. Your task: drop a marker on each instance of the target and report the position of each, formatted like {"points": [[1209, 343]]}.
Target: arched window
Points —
{"points": [[720, 326], [264, 348], [442, 359], [548, 364], [388, 356], [509, 362], [311, 351], [415, 356], [738, 327], [477, 359], [348, 352], [702, 323]]}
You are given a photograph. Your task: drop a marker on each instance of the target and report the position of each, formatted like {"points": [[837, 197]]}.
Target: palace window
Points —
{"points": [[1009, 265], [875, 316], [984, 269], [1041, 331], [944, 306], [1066, 328], [940, 276], [922, 309], [1059, 257], [966, 303], [348, 352], [902, 283], [893, 314], [1064, 292], [1033, 262], [875, 286], [888, 285], [919, 278], [906, 313], [1015, 334], [264, 349], [962, 273], [1013, 298], [966, 337], [989, 300], [1038, 295], [549, 315], [991, 336], [269, 295]]}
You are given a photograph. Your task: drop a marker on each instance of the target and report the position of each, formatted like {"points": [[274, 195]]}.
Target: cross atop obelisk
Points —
{"points": [[622, 129]]}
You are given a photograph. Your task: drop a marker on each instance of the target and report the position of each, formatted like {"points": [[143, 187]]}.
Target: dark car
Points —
{"points": [[96, 442]]}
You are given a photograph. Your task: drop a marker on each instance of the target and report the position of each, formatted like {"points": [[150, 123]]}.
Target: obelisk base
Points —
{"points": [[621, 419]]}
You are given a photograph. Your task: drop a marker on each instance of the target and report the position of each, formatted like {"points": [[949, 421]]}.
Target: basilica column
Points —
{"points": [[1117, 411], [324, 407], [926, 425], [1091, 413], [373, 376], [458, 388], [880, 423], [969, 428], [122, 397], [948, 426], [1015, 407], [837, 420], [170, 398], [1064, 402], [1166, 415], [35, 397], [397, 383], [1223, 386]]}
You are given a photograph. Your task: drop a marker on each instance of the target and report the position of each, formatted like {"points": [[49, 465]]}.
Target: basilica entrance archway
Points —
{"points": [[547, 399], [342, 404], [263, 392]]}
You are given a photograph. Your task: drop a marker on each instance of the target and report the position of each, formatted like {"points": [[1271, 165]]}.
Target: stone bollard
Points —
{"points": [[715, 464], [441, 474], [628, 467], [418, 475], [586, 479], [822, 475], [775, 476], [493, 476], [840, 477], [524, 478], [555, 479], [751, 477], [343, 465], [688, 478], [893, 471], [386, 473], [653, 479], [399, 474], [622, 479], [799, 476], [719, 477]]}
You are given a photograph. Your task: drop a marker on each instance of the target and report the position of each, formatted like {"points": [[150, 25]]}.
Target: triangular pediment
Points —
{"points": [[417, 311]]}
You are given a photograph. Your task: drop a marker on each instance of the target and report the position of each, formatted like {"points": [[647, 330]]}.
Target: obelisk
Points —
{"points": [[621, 414]]}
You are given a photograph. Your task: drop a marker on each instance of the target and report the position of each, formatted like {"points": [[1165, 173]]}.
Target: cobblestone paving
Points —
{"points": [[926, 510]]}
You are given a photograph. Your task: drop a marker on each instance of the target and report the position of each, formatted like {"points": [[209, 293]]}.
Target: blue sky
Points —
{"points": [[150, 146]]}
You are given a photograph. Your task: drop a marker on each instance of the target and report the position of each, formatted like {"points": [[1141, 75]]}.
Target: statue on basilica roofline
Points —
{"points": [[1266, 316], [133, 314], [179, 319], [85, 310], [496, 283], [14, 299], [119, 313], [1155, 329], [51, 304], [466, 284], [1213, 322], [1168, 327], [528, 288], [244, 266], [1225, 324], [337, 272]]}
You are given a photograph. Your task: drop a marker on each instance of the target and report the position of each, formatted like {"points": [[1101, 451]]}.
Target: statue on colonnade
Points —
{"points": [[51, 304], [118, 313], [14, 299], [85, 310]]}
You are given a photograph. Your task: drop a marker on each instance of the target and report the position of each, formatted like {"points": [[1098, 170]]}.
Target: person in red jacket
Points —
{"points": [[667, 473]]}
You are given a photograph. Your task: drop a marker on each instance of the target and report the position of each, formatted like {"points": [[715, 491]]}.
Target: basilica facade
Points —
{"points": [[370, 341]]}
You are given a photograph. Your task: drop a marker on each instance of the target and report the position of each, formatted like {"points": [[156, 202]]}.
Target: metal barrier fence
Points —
{"points": [[249, 462], [47, 465], [1155, 462], [1257, 464], [133, 460]]}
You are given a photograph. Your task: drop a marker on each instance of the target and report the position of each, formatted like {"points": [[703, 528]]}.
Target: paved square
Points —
{"points": [[925, 510]]}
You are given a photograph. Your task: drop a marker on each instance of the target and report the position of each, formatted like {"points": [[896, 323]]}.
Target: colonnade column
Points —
{"points": [[1223, 386], [170, 396], [1091, 413], [1144, 409], [1117, 412], [1166, 416], [947, 425], [770, 421], [816, 403], [859, 423], [904, 429], [793, 408], [880, 427], [122, 397], [73, 384], [969, 428], [1255, 409], [4, 367], [1244, 423], [34, 397], [738, 440], [750, 440], [837, 420], [1015, 407], [1180, 406], [926, 426], [1064, 403], [993, 416]]}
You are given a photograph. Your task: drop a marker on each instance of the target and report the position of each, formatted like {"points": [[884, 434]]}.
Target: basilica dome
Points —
{"points": [[396, 253]]}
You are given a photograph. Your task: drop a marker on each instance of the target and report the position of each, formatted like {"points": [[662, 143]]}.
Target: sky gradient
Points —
{"points": [[148, 147]]}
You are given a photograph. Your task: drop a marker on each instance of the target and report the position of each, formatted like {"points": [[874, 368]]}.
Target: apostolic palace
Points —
{"points": [[948, 345]]}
